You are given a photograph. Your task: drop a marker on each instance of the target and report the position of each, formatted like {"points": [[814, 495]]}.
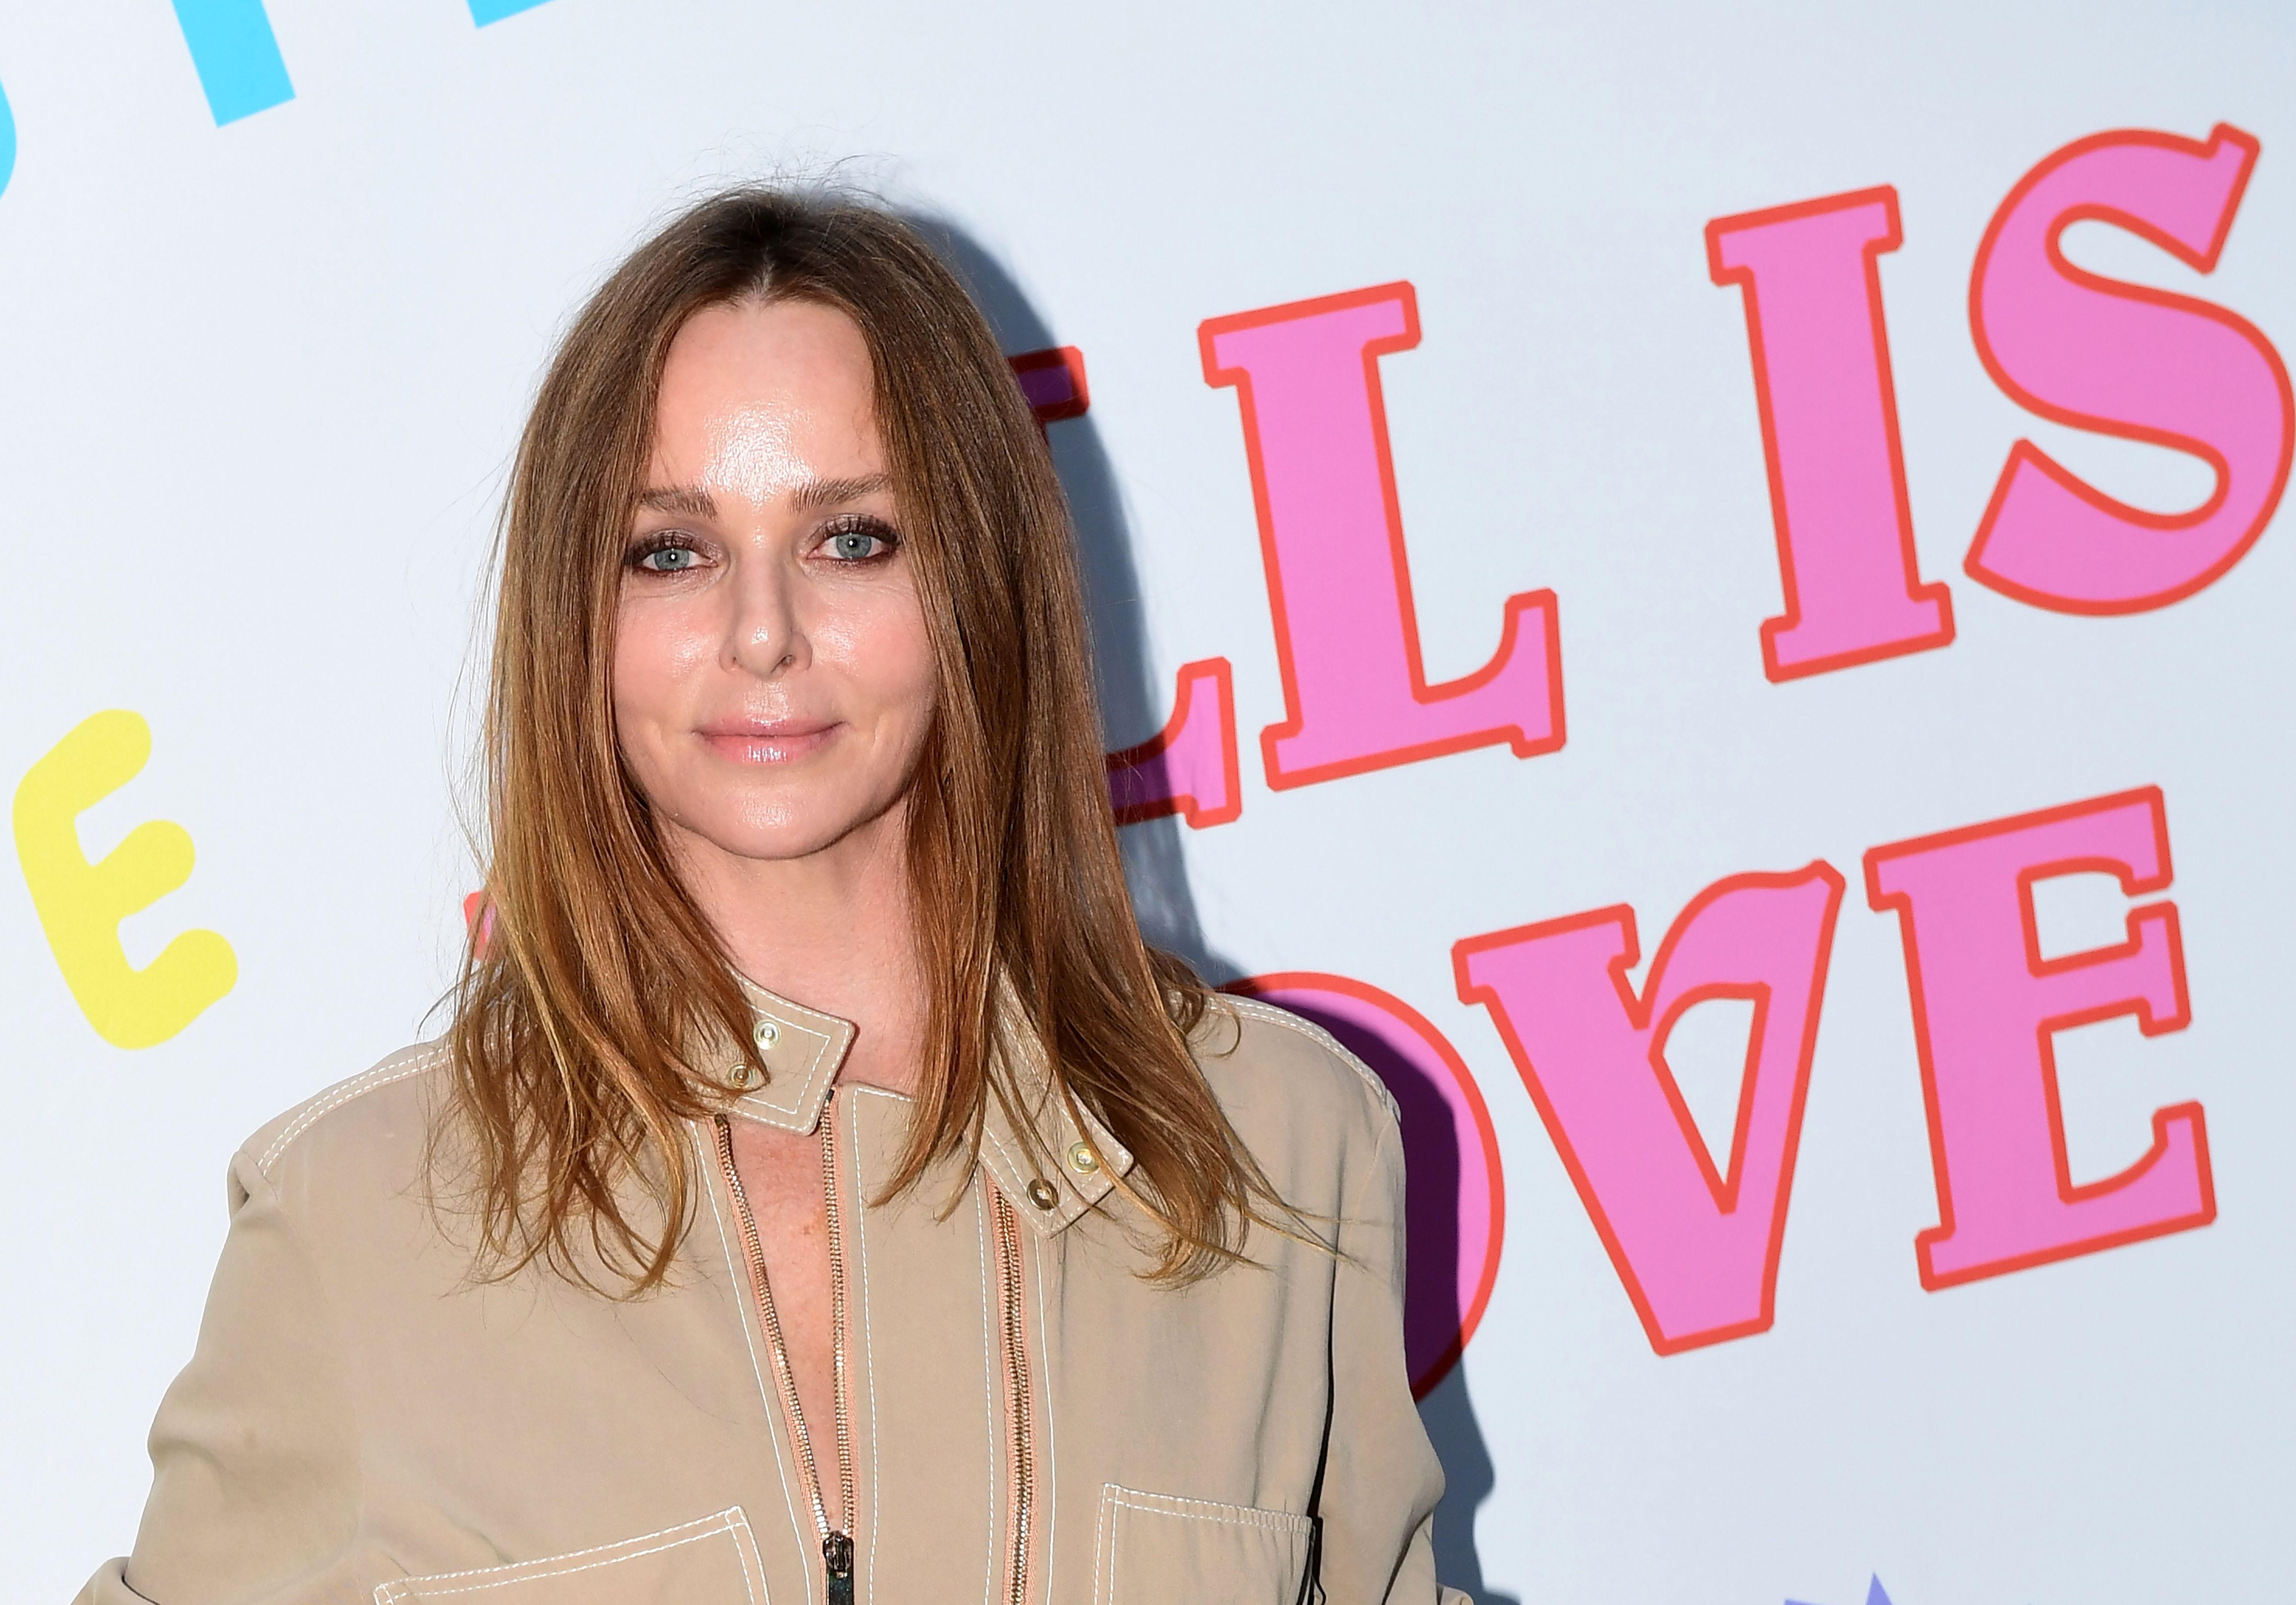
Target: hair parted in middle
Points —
{"points": [[576, 1021]]}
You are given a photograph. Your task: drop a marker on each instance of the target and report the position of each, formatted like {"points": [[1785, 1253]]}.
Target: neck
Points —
{"points": [[833, 930]]}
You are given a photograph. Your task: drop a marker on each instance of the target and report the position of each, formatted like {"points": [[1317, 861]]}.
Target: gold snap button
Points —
{"points": [[742, 1075], [1042, 1194], [766, 1034], [1082, 1159]]}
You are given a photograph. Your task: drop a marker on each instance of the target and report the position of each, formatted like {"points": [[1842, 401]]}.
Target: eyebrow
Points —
{"points": [[691, 502], [817, 494], [683, 501]]}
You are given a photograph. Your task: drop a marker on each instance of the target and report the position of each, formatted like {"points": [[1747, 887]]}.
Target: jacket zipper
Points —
{"points": [[836, 1543], [1016, 1375]]}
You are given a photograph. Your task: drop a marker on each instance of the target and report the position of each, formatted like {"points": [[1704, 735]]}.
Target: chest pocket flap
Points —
{"points": [[1156, 1549], [712, 1561]]}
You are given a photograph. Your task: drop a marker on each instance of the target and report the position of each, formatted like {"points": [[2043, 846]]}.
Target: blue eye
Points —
{"points": [[863, 541], [668, 560]]}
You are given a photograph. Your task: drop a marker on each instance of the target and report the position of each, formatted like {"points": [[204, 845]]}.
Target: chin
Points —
{"points": [[776, 830], [778, 846]]}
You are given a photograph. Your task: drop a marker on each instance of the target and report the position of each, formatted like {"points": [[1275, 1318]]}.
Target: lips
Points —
{"points": [[767, 741]]}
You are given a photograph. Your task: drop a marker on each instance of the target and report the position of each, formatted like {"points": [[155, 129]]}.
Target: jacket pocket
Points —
{"points": [[712, 1561], [1156, 1549]]}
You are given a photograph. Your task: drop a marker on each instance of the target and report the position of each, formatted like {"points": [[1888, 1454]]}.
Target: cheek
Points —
{"points": [[657, 651], [885, 654]]}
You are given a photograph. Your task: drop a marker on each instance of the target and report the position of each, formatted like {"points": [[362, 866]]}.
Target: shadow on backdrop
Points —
{"points": [[1135, 700], [1433, 1174]]}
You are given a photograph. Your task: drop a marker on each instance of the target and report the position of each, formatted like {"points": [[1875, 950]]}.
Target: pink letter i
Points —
{"points": [[1813, 290]]}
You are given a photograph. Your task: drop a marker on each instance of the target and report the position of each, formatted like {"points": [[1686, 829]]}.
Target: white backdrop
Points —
{"points": [[259, 385]]}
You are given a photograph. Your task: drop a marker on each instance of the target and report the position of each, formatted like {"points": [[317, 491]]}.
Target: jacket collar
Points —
{"points": [[1064, 1173]]}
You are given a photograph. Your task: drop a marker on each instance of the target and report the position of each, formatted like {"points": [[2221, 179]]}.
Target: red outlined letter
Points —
{"points": [[2126, 360], [1053, 381], [1697, 1248], [1812, 278], [1455, 1203], [1985, 1008], [1356, 696], [1189, 767]]}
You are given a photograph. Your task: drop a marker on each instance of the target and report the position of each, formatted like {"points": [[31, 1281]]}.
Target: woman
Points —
{"points": [[823, 1193]]}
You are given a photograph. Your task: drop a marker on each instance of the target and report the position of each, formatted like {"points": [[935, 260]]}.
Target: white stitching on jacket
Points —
{"points": [[991, 1420], [1316, 1033], [1103, 1558], [1014, 1176], [729, 1521], [743, 1300], [790, 1110], [1205, 1510], [1104, 1540], [358, 1086], [1042, 1246], [868, 1336]]}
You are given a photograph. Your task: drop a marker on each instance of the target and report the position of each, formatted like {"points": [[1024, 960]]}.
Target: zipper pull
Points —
{"points": [[837, 1559]]}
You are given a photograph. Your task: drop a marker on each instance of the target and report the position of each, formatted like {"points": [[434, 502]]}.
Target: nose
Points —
{"points": [[766, 635]]}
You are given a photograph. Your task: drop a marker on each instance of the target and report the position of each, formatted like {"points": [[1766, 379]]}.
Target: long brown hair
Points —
{"points": [[580, 1017]]}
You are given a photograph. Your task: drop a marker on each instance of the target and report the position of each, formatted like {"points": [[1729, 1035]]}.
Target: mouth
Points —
{"points": [[768, 740]]}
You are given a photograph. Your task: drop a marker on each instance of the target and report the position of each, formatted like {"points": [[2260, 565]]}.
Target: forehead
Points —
{"points": [[755, 395]]}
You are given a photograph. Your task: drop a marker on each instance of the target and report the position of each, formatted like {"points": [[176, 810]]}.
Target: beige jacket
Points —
{"points": [[359, 1423]]}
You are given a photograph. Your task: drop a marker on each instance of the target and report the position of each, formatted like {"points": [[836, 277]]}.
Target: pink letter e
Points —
{"points": [[1985, 1008]]}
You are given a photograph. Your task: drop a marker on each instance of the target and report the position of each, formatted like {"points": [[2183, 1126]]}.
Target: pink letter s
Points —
{"points": [[2126, 360]]}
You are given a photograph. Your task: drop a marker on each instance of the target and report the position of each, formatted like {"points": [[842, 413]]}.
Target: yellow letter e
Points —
{"points": [[81, 904]]}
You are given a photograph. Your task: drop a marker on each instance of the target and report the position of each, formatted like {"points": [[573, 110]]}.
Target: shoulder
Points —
{"points": [[1286, 1083], [379, 1117]]}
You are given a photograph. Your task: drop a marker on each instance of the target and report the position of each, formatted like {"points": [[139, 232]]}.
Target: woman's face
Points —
{"points": [[773, 684]]}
